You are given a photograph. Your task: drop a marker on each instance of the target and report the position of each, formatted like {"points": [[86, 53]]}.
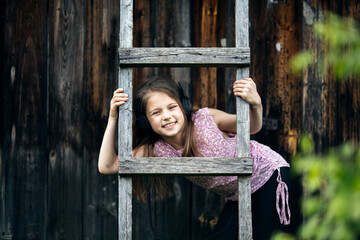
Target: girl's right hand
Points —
{"points": [[119, 98]]}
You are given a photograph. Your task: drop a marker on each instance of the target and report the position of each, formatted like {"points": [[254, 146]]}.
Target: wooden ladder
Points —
{"points": [[184, 57]]}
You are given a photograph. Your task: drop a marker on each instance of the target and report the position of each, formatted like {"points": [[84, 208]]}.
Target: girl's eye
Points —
{"points": [[155, 113], [172, 107]]}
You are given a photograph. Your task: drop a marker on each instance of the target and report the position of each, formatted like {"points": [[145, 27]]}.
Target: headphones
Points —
{"points": [[185, 101]]}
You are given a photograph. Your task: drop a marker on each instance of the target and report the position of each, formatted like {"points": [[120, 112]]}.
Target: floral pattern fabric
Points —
{"points": [[213, 143]]}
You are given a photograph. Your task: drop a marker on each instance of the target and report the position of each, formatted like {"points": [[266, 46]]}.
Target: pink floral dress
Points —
{"points": [[213, 143]]}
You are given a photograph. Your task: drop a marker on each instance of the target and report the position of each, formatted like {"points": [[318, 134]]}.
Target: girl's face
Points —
{"points": [[165, 116]]}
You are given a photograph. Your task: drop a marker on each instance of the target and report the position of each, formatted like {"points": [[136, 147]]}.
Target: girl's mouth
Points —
{"points": [[169, 125]]}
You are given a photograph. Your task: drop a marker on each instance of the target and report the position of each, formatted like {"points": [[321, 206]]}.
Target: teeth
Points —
{"points": [[169, 125]]}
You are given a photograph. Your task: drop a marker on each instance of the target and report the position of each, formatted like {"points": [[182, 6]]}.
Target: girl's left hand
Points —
{"points": [[246, 89]]}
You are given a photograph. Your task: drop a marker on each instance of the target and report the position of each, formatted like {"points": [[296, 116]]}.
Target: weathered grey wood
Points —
{"points": [[241, 23], [185, 57], [245, 218], [242, 119], [243, 122], [186, 166], [125, 118]]}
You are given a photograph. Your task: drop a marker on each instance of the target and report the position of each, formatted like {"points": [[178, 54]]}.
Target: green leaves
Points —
{"points": [[331, 181], [332, 189]]}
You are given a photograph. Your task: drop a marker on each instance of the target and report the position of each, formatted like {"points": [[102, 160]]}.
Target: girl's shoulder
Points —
{"points": [[206, 112], [209, 114], [139, 151], [203, 117], [202, 112]]}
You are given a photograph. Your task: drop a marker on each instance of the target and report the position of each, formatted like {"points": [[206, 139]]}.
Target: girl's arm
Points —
{"points": [[108, 163], [246, 89]]}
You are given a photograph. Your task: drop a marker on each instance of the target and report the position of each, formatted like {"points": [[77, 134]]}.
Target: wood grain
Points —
{"points": [[205, 27], [100, 191], [66, 92], [125, 117], [23, 155], [243, 123], [185, 166], [185, 57]]}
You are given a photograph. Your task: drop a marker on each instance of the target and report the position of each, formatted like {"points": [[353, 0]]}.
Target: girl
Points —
{"points": [[166, 126]]}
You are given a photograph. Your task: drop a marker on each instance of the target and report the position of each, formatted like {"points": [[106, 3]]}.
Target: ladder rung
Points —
{"points": [[185, 166], [184, 57]]}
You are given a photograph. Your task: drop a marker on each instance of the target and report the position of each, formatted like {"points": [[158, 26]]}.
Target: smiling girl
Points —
{"points": [[165, 125]]}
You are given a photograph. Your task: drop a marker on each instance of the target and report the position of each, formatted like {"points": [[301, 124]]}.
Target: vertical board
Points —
{"points": [[163, 23], [142, 38], [312, 91], [178, 208], [23, 156], [205, 205], [160, 28], [283, 98], [125, 119], [66, 104], [180, 36], [101, 68], [243, 122], [205, 35], [206, 208], [275, 34], [230, 73], [330, 108]]}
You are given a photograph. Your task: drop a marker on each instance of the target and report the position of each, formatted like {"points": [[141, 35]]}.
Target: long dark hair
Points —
{"points": [[148, 137]]}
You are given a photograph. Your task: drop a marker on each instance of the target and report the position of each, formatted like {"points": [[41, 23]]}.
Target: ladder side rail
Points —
{"points": [[243, 123], [125, 117]]}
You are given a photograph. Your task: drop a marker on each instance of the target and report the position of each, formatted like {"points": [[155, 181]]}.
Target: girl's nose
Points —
{"points": [[166, 114]]}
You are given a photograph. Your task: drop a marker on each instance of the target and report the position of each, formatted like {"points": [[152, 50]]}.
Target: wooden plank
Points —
{"points": [[161, 28], [230, 73], [206, 207], [221, 42], [143, 37], [185, 165], [125, 150], [243, 122], [205, 27], [245, 216], [23, 110], [350, 91], [278, 87], [101, 44], [141, 57], [177, 209], [330, 108], [65, 89], [125, 118], [206, 24], [180, 204]]}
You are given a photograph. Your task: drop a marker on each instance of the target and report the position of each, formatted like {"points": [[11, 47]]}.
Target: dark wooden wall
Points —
{"points": [[60, 69], [58, 74]]}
